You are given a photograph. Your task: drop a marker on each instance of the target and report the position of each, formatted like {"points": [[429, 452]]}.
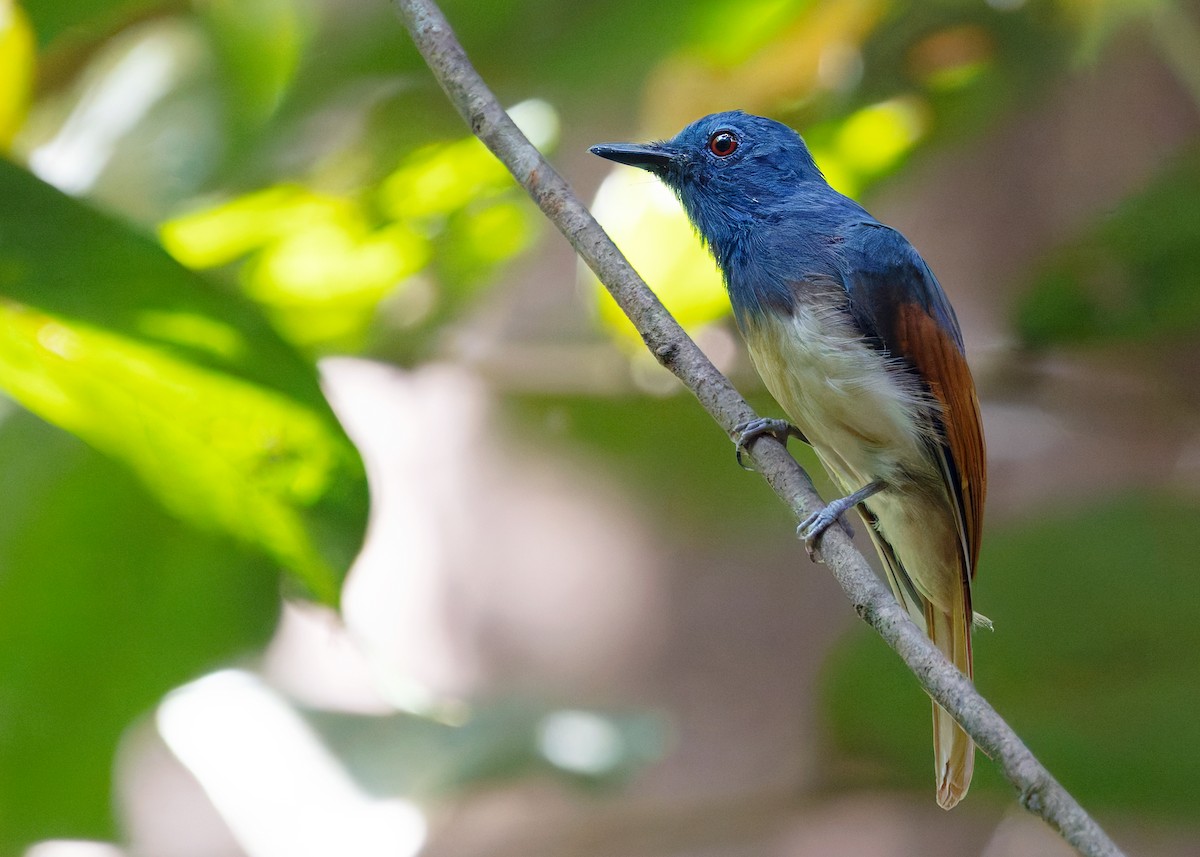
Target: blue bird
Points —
{"points": [[855, 339]]}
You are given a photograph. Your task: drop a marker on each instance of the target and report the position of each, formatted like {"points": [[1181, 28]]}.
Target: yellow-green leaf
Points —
{"points": [[650, 227], [105, 335], [17, 56]]}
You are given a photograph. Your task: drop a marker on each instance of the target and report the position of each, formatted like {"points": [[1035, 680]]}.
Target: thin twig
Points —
{"points": [[1037, 790]]}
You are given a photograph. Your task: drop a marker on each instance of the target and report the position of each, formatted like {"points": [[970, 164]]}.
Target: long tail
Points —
{"points": [[953, 749]]}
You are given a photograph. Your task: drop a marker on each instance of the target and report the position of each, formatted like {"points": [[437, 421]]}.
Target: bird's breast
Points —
{"points": [[866, 415]]}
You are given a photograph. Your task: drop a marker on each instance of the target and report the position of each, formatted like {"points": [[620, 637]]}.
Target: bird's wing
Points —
{"points": [[897, 301]]}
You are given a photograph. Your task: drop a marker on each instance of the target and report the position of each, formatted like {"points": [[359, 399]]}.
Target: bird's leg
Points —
{"points": [[814, 525], [750, 430]]}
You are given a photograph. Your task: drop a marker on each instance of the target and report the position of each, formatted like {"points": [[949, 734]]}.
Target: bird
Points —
{"points": [[854, 337]]}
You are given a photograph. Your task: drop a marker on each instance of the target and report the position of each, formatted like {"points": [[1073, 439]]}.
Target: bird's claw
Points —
{"points": [[751, 430], [814, 526]]}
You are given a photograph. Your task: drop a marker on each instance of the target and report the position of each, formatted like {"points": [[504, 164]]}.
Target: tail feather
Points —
{"points": [[953, 749]]}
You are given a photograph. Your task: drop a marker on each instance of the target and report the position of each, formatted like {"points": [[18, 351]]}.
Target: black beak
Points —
{"points": [[649, 156]]}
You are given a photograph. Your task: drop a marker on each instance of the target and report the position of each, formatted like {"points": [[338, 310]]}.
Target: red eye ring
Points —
{"points": [[723, 143]]}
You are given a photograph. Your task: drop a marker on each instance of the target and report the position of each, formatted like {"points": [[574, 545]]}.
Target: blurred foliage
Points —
{"points": [[297, 157], [320, 264], [1129, 277], [499, 741], [649, 442], [106, 603], [1095, 647], [258, 44], [16, 68], [646, 222], [104, 335]]}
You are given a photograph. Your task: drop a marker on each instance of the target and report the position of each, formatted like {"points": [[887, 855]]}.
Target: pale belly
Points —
{"points": [[862, 416], [863, 419]]}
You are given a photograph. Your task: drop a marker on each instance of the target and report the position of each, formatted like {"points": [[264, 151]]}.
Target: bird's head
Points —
{"points": [[727, 168]]}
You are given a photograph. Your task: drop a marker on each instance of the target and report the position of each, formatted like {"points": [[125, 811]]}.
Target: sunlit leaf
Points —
{"points": [[16, 68], [871, 142], [650, 227], [730, 32], [481, 238], [228, 231], [106, 603], [873, 139], [440, 179], [321, 265], [322, 283], [104, 335]]}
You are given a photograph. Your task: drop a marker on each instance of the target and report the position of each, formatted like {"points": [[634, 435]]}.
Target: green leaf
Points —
{"points": [[258, 43], [106, 603], [17, 63], [53, 18], [103, 334]]}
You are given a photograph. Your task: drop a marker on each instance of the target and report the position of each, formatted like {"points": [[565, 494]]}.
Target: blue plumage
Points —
{"points": [[855, 338]]}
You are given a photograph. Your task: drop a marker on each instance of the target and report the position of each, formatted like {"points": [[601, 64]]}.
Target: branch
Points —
{"points": [[1038, 791]]}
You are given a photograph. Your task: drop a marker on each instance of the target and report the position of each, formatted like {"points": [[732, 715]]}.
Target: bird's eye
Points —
{"points": [[723, 143]]}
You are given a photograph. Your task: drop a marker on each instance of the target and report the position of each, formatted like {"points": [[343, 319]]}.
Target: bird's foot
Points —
{"points": [[751, 430], [814, 526]]}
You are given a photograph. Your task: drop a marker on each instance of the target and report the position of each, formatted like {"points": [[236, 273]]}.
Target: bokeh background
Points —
{"points": [[253, 271]]}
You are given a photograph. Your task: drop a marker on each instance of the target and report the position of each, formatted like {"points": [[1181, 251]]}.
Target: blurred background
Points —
{"points": [[251, 262]]}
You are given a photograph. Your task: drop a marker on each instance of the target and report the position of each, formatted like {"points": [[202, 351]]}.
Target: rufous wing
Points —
{"points": [[898, 302], [937, 359]]}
